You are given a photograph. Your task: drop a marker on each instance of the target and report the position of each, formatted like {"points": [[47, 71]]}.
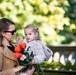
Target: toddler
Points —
{"points": [[32, 36]]}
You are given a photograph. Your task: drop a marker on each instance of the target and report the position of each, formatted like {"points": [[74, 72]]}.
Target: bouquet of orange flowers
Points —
{"points": [[23, 57]]}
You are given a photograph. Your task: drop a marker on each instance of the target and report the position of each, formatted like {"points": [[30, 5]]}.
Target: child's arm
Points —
{"points": [[38, 52], [19, 40]]}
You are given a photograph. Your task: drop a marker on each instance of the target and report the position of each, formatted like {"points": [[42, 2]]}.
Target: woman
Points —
{"points": [[8, 62]]}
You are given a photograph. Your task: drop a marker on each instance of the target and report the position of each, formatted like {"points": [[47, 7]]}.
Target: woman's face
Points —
{"points": [[9, 34], [30, 34]]}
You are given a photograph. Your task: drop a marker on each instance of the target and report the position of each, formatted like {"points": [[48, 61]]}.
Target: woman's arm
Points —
{"points": [[11, 71], [7, 72]]}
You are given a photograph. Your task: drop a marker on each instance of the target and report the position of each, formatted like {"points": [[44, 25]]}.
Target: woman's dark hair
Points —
{"points": [[4, 26]]}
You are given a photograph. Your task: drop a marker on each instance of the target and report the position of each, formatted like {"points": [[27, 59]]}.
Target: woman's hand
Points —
{"points": [[18, 68]]}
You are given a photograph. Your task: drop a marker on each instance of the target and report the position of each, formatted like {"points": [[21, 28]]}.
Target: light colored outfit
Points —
{"points": [[7, 61], [38, 51]]}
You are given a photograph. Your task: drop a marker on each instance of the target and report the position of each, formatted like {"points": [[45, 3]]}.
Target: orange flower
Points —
{"points": [[23, 45], [18, 55], [18, 49]]}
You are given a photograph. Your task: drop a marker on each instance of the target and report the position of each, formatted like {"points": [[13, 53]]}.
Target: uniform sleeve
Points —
{"points": [[39, 53]]}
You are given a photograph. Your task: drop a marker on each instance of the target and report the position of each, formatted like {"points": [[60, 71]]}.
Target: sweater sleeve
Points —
{"points": [[39, 52]]}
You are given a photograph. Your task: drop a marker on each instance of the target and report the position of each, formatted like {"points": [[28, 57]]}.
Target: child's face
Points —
{"points": [[30, 34]]}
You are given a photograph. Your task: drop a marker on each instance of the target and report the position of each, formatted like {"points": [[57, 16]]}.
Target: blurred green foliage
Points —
{"points": [[56, 19], [56, 66]]}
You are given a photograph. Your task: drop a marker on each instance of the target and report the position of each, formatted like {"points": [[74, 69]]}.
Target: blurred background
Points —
{"points": [[56, 20]]}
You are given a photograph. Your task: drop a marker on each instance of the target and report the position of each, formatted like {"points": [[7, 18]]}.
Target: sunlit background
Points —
{"points": [[56, 20]]}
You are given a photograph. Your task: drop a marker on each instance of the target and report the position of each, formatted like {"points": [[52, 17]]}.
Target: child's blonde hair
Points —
{"points": [[35, 29]]}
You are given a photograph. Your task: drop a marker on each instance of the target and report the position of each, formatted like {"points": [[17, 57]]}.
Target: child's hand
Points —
{"points": [[19, 40], [32, 62]]}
